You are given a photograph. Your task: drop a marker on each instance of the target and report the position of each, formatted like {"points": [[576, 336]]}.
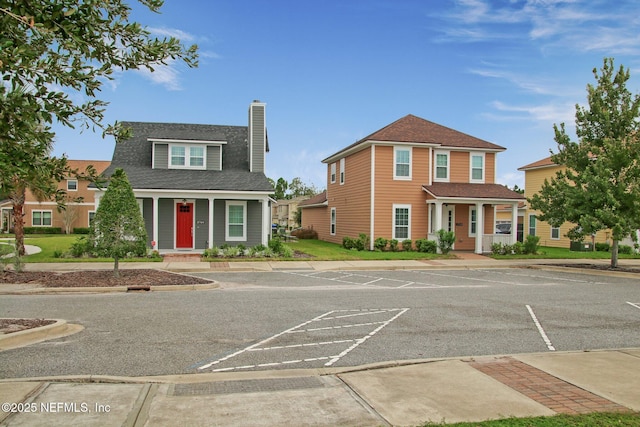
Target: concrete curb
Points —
{"points": [[110, 289], [56, 330]]}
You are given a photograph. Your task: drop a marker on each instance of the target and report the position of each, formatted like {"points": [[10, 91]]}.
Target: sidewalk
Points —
{"points": [[398, 394]]}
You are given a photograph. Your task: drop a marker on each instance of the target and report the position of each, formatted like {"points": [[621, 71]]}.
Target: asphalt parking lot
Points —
{"points": [[316, 319]]}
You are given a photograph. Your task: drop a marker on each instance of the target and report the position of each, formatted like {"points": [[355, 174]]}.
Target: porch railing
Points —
{"points": [[489, 239]]}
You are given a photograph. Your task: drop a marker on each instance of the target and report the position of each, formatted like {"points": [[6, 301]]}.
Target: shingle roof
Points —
{"points": [[134, 156], [81, 165], [413, 129], [546, 162], [471, 191], [318, 199]]}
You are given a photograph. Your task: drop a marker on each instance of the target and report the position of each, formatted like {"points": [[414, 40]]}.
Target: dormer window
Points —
{"points": [[187, 156]]}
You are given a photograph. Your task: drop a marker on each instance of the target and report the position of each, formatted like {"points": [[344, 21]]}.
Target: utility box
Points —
{"points": [[581, 247]]}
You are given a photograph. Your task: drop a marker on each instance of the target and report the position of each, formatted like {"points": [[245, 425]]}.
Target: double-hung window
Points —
{"points": [[442, 166], [401, 222], [555, 233], [236, 227], [477, 168], [187, 157], [41, 218], [532, 225], [332, 231], [342, 166], [72, 185], [402, 160], [333, 173]]}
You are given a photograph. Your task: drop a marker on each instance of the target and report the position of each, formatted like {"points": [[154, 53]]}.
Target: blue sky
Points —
{"points": [[332, 72]]}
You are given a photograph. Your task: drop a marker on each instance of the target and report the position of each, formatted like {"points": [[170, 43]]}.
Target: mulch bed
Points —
{"points": [[8, 326], [100, 278]]}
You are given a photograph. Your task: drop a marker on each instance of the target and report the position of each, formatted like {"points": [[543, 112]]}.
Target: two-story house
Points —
{"points": [[534, 176], [407, 181], [80, 203], [198, 185], [284, 212]]}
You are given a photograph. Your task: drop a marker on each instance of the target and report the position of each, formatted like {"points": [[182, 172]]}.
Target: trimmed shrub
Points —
{"points": [[603, 247], [380, 244], [426, 246], [625, 249], [81, 230], [407, 245], [42, 230], [531, 244], [83, 246], [393, 245], [348, 242]]}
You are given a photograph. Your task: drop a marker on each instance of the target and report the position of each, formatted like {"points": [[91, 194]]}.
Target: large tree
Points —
{"points": [[53, 53], [599, 186], [118, 227]]}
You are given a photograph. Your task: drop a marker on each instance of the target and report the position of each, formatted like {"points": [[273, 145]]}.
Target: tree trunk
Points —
{"points": [[18, 221], [116, 272], [614, 254]]}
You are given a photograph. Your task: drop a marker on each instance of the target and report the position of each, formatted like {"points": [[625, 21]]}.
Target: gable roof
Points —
{"points": [[416, 130], [452, 190], [134, 155], [81, 165], [543, 163]]}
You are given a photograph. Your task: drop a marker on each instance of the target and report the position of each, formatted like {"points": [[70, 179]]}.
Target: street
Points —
{"points": [[314, 319]]}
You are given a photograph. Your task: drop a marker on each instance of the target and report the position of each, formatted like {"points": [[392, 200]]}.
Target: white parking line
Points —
{"points": [[634, 305], [546, 339], [300, 329]]}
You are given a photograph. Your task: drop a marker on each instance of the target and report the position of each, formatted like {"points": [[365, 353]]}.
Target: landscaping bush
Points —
{"points": [[426, 246], [407, 245], [362, 242], [518, 248], [446, 239], [276, 245], [531, 244], [348, 242], [603, 247], [42, 230], [380, 244], [81, 230], [305, 233], [211, 252], [393, 245], [83, 246], [625, 249]]}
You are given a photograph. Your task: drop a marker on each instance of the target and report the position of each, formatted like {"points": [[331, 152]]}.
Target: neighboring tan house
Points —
{"points": [[504, 216], [199, 186], [284, 212], [534, 175], [407, 181], [78, 213]]}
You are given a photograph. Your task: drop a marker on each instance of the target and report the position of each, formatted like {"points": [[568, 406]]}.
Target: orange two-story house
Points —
{"points": [[407, 181]]}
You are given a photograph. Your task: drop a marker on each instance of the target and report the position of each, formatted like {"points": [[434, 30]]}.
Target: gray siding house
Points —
{"points": [[199, 186]]}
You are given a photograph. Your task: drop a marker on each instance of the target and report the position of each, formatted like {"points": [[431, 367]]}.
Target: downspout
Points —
{"points": [[373, 199]]}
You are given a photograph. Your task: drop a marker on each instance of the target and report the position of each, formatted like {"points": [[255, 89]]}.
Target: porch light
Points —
{"points": [[184, 202]]}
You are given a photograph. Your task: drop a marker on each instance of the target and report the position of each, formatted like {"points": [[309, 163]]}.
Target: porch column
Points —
{"points": [[438, 223], [211, 217], [155, 221], [479, 227], [266, 220], [514, 223]]}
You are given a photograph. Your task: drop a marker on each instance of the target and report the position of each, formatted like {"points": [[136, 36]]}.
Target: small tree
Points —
{"points": [[69, 212], [599, 188], [118, 227]]}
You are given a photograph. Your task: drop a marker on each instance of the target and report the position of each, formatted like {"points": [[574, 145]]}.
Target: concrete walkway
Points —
{"points": [[399, 394]]}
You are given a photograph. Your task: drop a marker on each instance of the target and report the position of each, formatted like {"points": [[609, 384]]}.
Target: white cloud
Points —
{"points": [[548, 113], [172, 32], [164, 75]]}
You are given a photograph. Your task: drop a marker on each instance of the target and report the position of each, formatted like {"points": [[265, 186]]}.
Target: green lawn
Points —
{"points": [[59, 243], [586, 420], [546, 252]]}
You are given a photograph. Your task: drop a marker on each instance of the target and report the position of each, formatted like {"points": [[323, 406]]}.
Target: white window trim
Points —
{"points": [[244, 221], [395, 163], [333, 173], [393, 224], [484, 167], [342, 173], [551, 233], [41, 217], [535, 225], [187, 156], [72, 180], [333, 222], [435, 165], [89, 217], [471, 222]]}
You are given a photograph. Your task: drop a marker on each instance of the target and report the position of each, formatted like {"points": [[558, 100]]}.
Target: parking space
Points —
{"points": [[321, 341]]}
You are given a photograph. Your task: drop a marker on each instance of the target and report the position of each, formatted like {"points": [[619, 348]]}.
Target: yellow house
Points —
{"points": [[534, 175]]}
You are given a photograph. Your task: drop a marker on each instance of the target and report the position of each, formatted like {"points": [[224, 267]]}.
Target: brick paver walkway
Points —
{"points": [[554, 393]]}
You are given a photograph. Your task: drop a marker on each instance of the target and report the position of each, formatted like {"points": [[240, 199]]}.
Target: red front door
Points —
{"points": [[184, 225]]}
